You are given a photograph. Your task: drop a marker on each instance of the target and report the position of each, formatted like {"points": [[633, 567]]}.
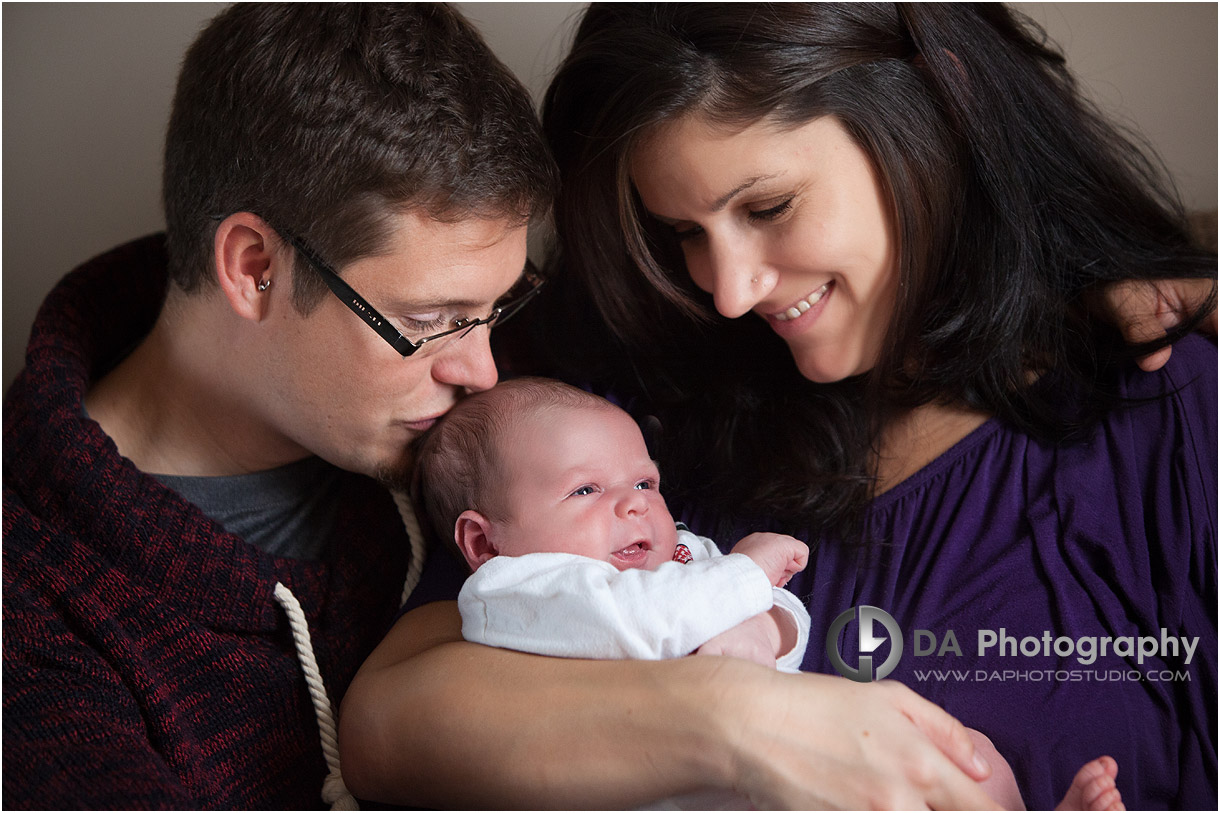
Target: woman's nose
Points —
{"points": [[734, 275]]}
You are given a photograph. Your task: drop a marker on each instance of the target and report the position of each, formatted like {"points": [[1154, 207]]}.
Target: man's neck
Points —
{"points": [[169, 413]]}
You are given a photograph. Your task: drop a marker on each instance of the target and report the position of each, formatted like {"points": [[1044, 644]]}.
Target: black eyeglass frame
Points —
{"points": [[382, 326]]}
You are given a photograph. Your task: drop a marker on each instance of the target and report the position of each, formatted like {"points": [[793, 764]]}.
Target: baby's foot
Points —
{"points": [[1094, 788]]}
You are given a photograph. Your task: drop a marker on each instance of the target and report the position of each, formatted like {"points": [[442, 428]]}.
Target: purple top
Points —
{"points": [[1111, 537], [1107, 538]]}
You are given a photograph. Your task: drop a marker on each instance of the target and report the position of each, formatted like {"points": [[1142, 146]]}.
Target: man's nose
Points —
{"points": [[467, 361]]}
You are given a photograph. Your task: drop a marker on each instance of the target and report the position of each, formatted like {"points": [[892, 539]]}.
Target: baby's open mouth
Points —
{"points": [[634, 553]]}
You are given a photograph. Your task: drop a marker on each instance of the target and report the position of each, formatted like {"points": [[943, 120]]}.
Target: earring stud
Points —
{"points": [[264, 285]]}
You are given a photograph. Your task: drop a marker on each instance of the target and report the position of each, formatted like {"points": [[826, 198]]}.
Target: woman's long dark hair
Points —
{"points": [[1012, 199]]}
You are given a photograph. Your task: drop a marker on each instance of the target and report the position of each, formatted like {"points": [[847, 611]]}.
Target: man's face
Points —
{"points": [[338, 390]]}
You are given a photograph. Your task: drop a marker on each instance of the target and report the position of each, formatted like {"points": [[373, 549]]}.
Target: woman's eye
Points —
{"points": [[583, 491], [773, 212], [684, 233], [687, 232]]}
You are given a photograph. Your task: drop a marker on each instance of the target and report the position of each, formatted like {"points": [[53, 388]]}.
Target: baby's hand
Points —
{"points": [[756, 639], [780, 556]]}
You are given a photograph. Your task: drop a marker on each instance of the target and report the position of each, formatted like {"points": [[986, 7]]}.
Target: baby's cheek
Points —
{"points": [[666, 544]]}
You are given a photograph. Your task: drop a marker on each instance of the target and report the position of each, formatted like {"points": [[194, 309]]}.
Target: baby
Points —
{"points": [[552, 499], [536, 467]]}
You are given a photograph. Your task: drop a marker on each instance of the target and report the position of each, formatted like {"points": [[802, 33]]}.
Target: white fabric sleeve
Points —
{"points": [[789, 604], [571, 606], [700, 546]]}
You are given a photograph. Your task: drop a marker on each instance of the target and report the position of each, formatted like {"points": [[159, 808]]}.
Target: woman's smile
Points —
{"points": [[798, 318], [803, 305]]}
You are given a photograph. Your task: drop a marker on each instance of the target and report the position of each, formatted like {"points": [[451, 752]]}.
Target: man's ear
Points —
{"points": [[472, 534], [244, 255]]}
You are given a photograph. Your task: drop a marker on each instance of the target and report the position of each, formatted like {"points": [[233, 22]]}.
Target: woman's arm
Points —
{"points": [[431, 720]]}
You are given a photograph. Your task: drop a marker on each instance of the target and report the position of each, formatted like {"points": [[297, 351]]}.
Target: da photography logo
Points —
{"points": [[868, 642]]}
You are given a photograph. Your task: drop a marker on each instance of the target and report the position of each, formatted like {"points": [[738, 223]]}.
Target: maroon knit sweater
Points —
{"points": [[146, 663]]}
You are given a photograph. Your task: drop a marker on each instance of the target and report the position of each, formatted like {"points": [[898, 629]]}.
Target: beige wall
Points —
{"points": [[1153, 67], [87, 89]]}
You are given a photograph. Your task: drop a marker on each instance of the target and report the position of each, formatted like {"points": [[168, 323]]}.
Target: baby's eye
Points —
{"points": [[646, 485], [583, 491]]}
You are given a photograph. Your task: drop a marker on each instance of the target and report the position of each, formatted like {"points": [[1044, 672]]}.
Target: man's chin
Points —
{"points": [[391, 470], [395, 475]]}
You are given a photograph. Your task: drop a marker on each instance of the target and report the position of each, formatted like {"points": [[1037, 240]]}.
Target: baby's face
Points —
{"points": [[579, 480]]}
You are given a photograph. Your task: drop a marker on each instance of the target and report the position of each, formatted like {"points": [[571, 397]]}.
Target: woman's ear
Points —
{"points": [[472, 532], [245, 260]]}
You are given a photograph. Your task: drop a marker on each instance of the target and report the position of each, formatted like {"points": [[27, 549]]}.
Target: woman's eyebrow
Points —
{"points": [[723, 201]]}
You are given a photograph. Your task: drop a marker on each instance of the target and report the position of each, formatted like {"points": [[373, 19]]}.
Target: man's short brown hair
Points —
{"points": [[326, 119]]}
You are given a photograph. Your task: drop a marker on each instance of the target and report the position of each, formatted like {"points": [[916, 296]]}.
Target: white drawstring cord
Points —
{"points": [[419, 553], [334, 791]]}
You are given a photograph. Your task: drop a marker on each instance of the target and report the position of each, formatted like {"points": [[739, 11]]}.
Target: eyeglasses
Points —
{"points": [[517, 297]]}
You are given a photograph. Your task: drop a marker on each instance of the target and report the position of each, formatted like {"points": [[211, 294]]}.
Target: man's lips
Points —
{"points": [[423, 424]]}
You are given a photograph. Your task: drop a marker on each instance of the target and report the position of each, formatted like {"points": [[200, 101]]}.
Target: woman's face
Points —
{"points": [[789, 223]]}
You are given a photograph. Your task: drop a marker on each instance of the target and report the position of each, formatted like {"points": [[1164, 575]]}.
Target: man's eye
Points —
{"points": [[423, 326]]}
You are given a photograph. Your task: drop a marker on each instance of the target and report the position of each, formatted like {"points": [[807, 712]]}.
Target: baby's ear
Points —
{"points": [[472, 534]]}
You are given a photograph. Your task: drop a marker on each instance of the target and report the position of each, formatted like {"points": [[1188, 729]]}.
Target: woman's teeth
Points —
{"points": [[804, 305]]}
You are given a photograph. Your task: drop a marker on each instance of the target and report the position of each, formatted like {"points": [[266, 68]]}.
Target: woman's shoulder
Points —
{"points": [[1190, 372], [1171, 413], [1164, 416], [1173, 410]]}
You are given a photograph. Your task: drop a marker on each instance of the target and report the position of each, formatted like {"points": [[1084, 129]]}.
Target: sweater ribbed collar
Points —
{"points": [[70, 473]]}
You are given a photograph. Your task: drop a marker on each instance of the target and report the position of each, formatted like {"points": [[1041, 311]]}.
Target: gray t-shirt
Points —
{"points": [[287, 511]]}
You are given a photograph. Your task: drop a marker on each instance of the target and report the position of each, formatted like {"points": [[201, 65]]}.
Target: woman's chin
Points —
{"points": [[821, 369], [827, 363]]}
